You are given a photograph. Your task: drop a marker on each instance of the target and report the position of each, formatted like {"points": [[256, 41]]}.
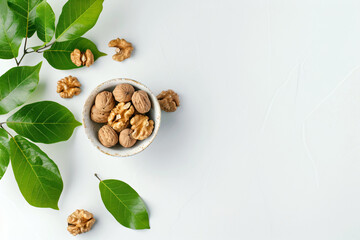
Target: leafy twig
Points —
{"points": [[26, 51]]}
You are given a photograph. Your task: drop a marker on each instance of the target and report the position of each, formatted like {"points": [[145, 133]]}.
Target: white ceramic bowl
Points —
{"points": [[92, 128]]}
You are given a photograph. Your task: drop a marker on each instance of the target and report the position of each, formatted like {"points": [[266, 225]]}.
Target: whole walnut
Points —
{"points": [[82, 58], [80, 221], [123, 92], [125, 138], [104, 101], [141, 101], [107, 136], [119, 117], [168, 100], [142, 127], [99, 116]]}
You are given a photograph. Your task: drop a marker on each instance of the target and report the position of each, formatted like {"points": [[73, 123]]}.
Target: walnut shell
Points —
{"points": [[99, 116], [80, 221], [125, 138], [107, 136], [123, 92], [142, 127], [141, 101], [119, 117], [104, 101]]}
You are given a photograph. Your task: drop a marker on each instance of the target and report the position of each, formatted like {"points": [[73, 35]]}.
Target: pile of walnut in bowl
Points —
{"points": [[124, 113]]}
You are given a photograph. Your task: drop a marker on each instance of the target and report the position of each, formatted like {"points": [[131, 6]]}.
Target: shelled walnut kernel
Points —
{"points": [[123, 49], [119, 117], [82, 58], [142, 127], [80, 221], [68, 87], [168, 100]]}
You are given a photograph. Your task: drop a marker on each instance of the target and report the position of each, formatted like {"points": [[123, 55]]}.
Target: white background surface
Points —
{"points": [[265, 145]]}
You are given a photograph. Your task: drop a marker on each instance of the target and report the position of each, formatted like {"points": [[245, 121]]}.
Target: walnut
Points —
{"points": [[80, 221], [68, 87], [75, 57], [123, 49], [125, 138], [169, 100], [119, 117], [123, 92], [141, 101], [99, 116], [107, 136], [82, 59], [104, 101], [142, 127]]}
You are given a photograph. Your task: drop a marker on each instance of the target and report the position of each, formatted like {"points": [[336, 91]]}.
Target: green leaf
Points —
{"points": [[4, 139], [124, 203], [27, 10], [3, 134], [45, 122], [45, 22], [16, 85], [77, 17], [37, 175], [4, 152], [58, 55], [4, 160], [12, 30]]}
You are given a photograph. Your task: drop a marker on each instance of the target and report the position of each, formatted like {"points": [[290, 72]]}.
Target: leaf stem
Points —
{"points": [[1, 126], [41, 48], [97, 177], [46, 46]]}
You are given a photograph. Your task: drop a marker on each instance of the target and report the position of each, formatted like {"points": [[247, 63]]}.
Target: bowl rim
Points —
{"points": [[136, 84]]}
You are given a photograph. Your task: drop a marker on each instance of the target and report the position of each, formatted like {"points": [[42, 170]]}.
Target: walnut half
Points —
{"points": [[80, 221], [68, 87]]}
